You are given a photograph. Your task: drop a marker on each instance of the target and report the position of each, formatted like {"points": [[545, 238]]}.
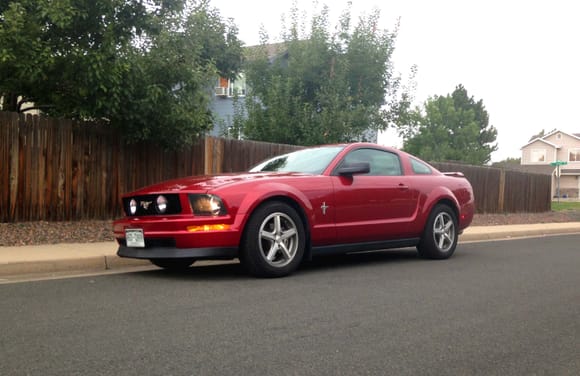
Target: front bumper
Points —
{"points": [[217, 253], [169, 235]]}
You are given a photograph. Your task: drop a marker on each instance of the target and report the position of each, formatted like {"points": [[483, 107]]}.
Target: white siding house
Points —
{"points": [[556, 146]]}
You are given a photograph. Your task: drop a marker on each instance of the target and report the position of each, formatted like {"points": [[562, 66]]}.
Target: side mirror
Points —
{"points": [[350, 169]]}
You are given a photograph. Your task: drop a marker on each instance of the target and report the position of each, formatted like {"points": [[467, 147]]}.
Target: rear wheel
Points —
{"points": [[173, 264], [274, 241], [440, 235]]}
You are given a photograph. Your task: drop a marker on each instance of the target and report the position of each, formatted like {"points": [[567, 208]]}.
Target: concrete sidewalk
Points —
{"points": [[88, 257]]}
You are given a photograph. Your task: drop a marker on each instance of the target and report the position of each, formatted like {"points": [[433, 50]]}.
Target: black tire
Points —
{"points": [[274, 241], [440, 236], [173, 263]]}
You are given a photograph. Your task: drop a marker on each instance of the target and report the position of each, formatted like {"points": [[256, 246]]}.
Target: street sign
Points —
{"points": [[557, 164]]}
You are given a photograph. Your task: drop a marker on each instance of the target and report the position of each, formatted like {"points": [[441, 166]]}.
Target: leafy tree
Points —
{"points": [[541, 134], [320, 86], [452, 127], [233, 126], [144, 66], [507, 163]]}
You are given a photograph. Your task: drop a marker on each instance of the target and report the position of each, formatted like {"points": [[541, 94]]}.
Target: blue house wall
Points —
{"points": [[223, 111]]}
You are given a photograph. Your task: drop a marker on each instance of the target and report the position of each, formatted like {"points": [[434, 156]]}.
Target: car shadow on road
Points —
{"points": [[361, 259], [227, 271], [233, 270]]}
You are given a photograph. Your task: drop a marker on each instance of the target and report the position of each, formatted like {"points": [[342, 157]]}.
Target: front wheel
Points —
{"points": [[274, 241], [174, 264], [440, 236]]}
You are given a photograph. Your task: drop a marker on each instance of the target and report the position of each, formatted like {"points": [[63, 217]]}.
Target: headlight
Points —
{"points": [[207, 205], [133, 206], [161, 204]]}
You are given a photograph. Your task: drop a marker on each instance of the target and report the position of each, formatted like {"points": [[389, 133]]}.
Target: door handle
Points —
{"points": [[403, 187]]}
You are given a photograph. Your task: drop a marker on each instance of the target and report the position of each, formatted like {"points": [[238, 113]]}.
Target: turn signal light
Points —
{"points": [[218, 227]]}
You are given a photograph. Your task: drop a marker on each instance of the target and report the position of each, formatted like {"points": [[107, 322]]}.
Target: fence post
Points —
{"points": [[501, 196], [14, 164], [207, 155]]}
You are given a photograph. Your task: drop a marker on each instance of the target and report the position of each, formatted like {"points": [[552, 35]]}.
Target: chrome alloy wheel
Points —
{"points": [[279, 239], [444, 232]]}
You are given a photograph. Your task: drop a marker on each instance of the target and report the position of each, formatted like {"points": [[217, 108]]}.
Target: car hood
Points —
{"points": [[211, 182]]}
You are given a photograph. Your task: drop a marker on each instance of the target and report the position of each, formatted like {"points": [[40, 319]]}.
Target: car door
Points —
{"points": [[377, 205]]}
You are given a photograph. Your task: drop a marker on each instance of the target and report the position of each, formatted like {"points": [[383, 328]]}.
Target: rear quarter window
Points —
{"points": [[420, 168]]}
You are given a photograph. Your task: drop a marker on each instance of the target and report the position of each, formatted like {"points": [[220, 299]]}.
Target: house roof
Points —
{"points": [[541, 140], [570, 171], [573, 135], [272, 50], [544, 169]]}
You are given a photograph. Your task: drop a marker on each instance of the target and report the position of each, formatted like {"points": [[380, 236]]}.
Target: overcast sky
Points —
{"points": [[520, 57]]}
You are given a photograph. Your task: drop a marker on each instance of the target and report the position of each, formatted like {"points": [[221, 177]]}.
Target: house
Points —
{"points": [[226, 92], [24, 107], [542, 155]]}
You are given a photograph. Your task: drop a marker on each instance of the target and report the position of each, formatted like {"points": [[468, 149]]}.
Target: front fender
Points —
{"points": [[267, 191]]}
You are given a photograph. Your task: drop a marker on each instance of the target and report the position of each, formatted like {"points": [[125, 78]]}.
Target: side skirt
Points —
{"points": [[361, 247]]}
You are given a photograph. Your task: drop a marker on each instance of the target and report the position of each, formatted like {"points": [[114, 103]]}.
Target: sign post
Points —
{"points": [[557, 164]]}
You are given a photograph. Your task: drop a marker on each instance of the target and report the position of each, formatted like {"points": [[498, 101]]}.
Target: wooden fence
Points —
{"points": [[505, 191], [56, 169]]}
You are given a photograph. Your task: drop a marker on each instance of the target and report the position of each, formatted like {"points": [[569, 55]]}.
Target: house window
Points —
{"points": [[538, 156], [574, 155], [231, 88], [238, 86]]}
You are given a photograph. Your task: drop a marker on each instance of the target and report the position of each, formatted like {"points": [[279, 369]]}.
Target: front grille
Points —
{"points": [[146, 205], [153, 243]]}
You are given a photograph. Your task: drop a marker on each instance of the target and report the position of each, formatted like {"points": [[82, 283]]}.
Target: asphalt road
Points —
{"points": [[497, 308]]}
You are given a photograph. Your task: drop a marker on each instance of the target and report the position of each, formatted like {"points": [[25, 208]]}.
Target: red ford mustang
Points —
{"points": [[321, 200]]}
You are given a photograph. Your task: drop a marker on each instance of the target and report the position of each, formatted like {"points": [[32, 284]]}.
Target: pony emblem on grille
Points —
{"points": [[145, 204]]}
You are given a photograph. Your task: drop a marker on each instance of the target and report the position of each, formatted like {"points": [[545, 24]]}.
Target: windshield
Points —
{"points": [[309, 161]]}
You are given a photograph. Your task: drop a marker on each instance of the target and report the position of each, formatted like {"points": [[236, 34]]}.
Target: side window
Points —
{"points": [[420, 167], [382, 163]]}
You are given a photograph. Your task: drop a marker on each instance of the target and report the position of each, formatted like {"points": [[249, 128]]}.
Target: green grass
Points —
{"points": [[565, 205]]}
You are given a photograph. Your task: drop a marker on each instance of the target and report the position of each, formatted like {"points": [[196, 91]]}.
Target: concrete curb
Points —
{"points": [[86, 264], [483, 233], [65, 257]]}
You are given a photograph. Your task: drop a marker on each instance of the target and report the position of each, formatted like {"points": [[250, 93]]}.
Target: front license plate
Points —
{"points": [[135, 238]]}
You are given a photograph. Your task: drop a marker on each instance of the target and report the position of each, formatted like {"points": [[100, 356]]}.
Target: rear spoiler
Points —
{"points": [[454, 174]]}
